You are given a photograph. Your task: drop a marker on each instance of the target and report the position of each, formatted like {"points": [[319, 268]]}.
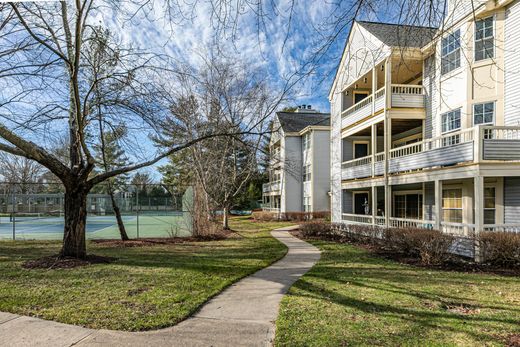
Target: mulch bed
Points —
{"points": [[55, 262], [513, 340], [152, 241], [458, 264]]}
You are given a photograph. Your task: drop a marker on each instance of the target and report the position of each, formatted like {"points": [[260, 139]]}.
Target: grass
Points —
{"points": [[146, 288], [352, 298]]}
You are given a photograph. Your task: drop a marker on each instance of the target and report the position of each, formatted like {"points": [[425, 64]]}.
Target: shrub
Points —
{"points": [[430, 246], [500, 248], [264, 216], [319, 229], [321, 215]]}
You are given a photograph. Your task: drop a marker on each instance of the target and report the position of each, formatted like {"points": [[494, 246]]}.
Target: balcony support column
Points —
{"points": [[438, 205], [374, 148], [388, 204], [387, 138], [374, 204], [478, 183]]}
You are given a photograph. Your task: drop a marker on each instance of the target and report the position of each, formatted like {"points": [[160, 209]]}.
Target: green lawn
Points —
{"points": [[351, 298], [146, 288]]}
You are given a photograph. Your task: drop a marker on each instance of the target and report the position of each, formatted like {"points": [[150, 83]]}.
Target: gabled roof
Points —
{"points": [[292, 122], [399, 35]]}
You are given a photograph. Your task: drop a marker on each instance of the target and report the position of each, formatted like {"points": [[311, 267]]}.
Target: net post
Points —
{"points": [[137, 209]]}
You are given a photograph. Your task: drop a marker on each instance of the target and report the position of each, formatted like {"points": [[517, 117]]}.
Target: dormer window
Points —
{"points": [[484, 39], [450, 52]]}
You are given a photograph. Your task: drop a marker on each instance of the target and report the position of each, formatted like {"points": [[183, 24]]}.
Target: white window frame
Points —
{"points": [[490, 186], [405, 193], [307, 174], [354, 200], [459, 110], [447, 55], [360, 142], [461, 208], [483, 104], [492, 38], [306, 141]]}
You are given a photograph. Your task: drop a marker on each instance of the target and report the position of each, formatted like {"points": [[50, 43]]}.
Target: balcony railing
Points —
{"points": [[271, 187], [403, 95], [497, 144]]}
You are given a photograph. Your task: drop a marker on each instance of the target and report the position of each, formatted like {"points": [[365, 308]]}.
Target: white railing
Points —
{"points": [[357, 218], [409, 89], [271, 187], [506, 228], [270, 209], [381, 221], [443, 141], [501, 132], [356, 107], [357, 162], [380, 93], [380, 157], [457, 229], [410, 223]]}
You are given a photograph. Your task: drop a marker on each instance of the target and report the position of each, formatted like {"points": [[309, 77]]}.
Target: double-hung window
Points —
{"points": [[452, 205], [484, 114], [484, 39], [307, 142], [307, 173], [489, 205], [451, 122], [450, 59]]}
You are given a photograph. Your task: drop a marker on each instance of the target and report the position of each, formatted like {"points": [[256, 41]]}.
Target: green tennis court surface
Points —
{"points": [[35, 227]]}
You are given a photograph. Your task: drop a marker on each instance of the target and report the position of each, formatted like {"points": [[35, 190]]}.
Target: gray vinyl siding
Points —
{"points": [[429, 201], [501, 149], [512, 65], [346, 202], [512, 200], [320, 170], [293, 187]]}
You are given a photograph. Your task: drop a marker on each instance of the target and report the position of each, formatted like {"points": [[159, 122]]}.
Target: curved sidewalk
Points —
{"points": [[242, 315]]}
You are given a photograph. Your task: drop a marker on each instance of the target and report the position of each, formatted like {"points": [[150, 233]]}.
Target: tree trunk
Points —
{"points": [[75, 211], [117, 212], [225, 219]]}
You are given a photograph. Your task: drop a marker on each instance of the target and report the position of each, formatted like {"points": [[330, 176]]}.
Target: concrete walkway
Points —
{"points": [[242, 315]]}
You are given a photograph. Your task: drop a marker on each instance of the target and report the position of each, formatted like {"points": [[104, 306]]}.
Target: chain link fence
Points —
{"points": [[35, 211]]}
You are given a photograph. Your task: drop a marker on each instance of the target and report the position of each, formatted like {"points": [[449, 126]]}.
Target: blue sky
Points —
{"points": [[290, 34]]}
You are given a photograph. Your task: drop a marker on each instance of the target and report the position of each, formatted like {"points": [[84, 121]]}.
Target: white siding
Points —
{"points": [[335, 158], [512, 65], [458, 9], [429, 90]]}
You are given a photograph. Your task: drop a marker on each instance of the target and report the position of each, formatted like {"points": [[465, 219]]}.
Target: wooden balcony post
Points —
{"points": [[374, 204], [478, 183], [438, 205], [374, 147]]}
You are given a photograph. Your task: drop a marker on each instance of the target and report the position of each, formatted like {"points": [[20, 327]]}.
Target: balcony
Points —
{"points": [[403, 95], [271, 187], [481, 143]]}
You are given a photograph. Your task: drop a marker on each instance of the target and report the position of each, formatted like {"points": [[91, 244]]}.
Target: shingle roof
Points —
{"points": [[397, 35], [297, 121]]}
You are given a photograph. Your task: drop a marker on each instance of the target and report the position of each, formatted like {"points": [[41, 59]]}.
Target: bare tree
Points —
{"points": [[49, 81], [21, 171], [222, 95]]}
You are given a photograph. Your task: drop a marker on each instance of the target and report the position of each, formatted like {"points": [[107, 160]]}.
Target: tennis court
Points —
{"points": [[44, 227]]}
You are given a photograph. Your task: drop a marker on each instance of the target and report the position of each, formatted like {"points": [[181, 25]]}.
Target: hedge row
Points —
{"points": [[265, 216], [432, 247]]}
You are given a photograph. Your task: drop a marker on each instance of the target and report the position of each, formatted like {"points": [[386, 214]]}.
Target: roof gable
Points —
{"points": [[292, 122], [396, 35]]}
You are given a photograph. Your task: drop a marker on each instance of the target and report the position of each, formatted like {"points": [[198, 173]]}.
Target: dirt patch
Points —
{"points": [[461, 308], [134, 292], [147, 242], [55, 262], [513, 340]]}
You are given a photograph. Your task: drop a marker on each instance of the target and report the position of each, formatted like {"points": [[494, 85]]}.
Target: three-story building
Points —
{"points": [[299, 168], [425, 122]]}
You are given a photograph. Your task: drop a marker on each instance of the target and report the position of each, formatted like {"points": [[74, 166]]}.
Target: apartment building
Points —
{"points": [[299, 168], [425, 122]]}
